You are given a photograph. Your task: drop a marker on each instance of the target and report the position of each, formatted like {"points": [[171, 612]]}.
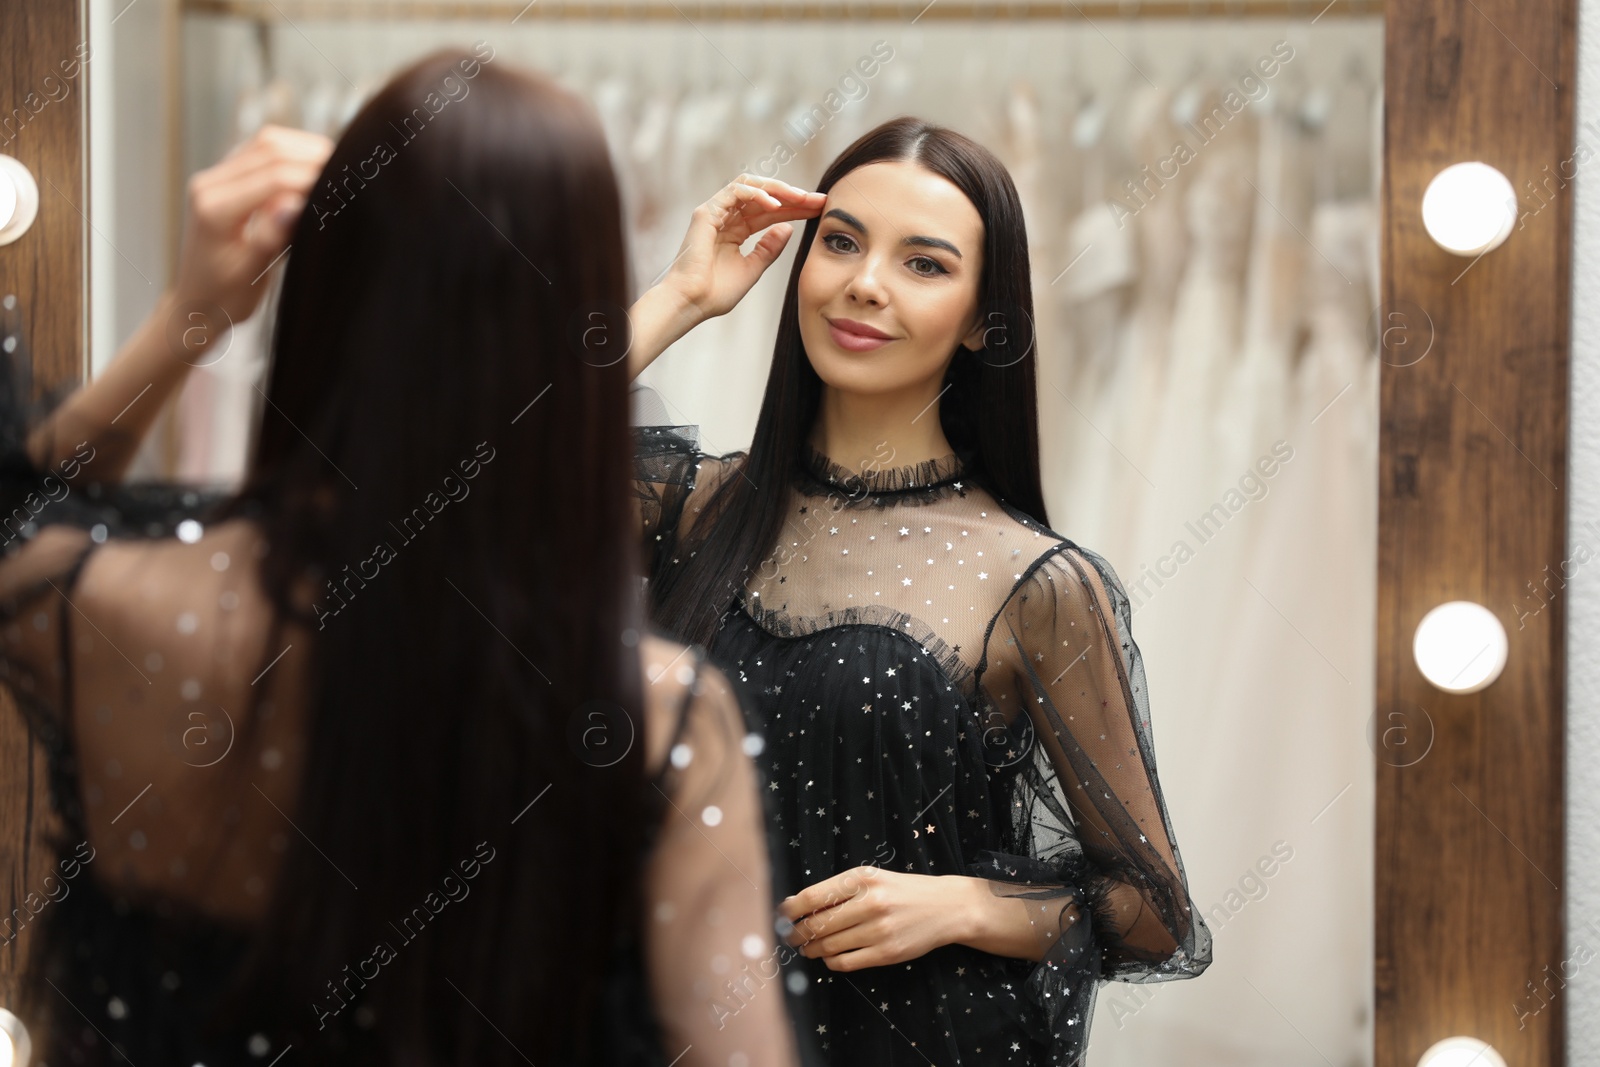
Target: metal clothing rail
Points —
{"points": [[996, 11]]}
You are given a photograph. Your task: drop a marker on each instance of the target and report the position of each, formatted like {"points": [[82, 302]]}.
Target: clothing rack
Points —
{"points": [[695, 11]]}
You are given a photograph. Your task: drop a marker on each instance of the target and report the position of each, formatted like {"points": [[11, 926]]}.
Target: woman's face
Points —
{"points": [[898, 252]]}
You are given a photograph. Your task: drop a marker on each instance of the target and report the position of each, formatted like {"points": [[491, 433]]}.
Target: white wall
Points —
{"points": [[1582, 881]]}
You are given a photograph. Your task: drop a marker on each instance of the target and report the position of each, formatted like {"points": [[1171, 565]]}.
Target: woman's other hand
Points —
{"points": [[710, 273], [241, 213]]}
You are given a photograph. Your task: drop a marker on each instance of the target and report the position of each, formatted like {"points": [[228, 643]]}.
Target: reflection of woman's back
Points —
{"points": [[180, 799], [300, 737]]}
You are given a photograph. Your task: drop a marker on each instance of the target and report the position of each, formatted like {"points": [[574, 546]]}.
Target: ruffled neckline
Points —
{"points": [[819, 469]]}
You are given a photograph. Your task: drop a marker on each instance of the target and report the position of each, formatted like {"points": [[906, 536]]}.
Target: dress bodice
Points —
{"points": [[944, 686]]}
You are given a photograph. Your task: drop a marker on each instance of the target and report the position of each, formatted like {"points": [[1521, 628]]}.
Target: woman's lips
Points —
{"points": [[855, 342]]}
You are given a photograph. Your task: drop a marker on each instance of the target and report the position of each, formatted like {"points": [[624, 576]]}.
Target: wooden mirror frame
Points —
{"points": [[1472, 503], [1470, 839]]}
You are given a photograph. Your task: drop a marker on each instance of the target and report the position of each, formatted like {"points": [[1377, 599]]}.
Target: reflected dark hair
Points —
{"points": [[424, 327], [989, 413]]}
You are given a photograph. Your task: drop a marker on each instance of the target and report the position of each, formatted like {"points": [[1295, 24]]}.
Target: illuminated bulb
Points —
{"points": [[1459, 1052], [15, 1047], [19, 199], [1469, 209], [1460, 646], [8, 208]]}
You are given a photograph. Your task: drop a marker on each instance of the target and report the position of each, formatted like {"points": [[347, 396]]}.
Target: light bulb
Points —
{"points": [[19, 199], [1460, 646], [1459, 1052], [15, 1047], [1469, 209], [8, 209]]}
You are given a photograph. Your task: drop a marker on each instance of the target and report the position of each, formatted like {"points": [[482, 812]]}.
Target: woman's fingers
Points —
{"points": [[275, 159], [224, 206], [268, 147], [777, 188], [759, 202], [861, 935], [770, 246], [736, 201], [273, 224], [844, 915], [275, 142]]}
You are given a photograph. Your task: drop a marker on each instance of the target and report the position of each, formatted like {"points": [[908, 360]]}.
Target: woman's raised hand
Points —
{"points": [[241, 213], [710, 273]]}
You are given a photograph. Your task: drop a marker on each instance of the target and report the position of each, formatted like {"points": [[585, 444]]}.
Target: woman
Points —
{"points": [[368, 762], [955, 725]]}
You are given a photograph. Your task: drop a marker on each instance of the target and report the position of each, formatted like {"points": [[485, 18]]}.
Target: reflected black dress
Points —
{"points": [[945, 687]]}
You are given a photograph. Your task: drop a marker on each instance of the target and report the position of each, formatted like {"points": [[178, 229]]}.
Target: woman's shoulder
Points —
{"points": [[1026, 545], [1047, 571]]}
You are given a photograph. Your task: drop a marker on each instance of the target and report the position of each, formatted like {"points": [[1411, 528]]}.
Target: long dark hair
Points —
{"points": [[426, 393], [989, 413]]}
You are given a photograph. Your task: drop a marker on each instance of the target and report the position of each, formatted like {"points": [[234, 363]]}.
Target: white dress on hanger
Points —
{"points": [[1274, 312], [1207, 325], [1092, 286], [1299, 671], [1289, 695], [1143, 362], [655, 229]]}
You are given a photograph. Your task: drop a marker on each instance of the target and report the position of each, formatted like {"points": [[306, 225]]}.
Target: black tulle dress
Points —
{"points": [[946, 687]]}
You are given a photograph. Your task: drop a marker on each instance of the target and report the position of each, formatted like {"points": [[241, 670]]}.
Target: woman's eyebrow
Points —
{"points": [[926, 242]]}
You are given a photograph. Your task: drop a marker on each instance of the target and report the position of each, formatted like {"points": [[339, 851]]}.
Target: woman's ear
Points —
{"points": [[973, 341]]}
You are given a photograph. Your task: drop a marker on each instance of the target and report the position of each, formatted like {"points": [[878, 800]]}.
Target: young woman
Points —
{"points": [[369, 762], [956, 729]]}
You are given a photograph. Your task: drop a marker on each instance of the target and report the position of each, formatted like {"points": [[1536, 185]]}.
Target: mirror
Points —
{"points": [[1201, 204]]}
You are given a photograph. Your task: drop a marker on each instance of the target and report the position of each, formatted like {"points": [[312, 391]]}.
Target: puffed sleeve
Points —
{"points": [[714, 961], [1067, 735], [664, 469], [671, 475]]}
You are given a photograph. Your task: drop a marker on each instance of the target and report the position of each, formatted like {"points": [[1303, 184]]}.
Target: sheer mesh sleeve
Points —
{"points": [[1067, 730], [669, 470], [712, 954]]}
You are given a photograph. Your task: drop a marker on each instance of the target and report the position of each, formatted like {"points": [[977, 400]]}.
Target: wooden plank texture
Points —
{"points": [[1472, 506], [41, 124]]}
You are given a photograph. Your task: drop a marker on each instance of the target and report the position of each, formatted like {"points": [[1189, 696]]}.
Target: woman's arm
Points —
{"points": [[871, 917], [710, 274], [874, 917], [655, 322], [241, 214]]}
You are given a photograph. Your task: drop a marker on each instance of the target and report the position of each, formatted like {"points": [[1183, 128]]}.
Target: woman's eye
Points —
{"points": [[933, 266], [832, 237]]}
